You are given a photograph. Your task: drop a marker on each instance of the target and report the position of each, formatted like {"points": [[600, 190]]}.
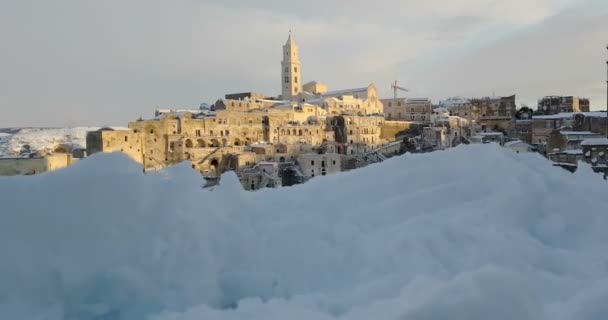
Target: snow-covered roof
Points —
{"points": [[567, 115], [577, 133], [512, 143], [575, 152], [595, 142], [344, 91], [454, 102]]}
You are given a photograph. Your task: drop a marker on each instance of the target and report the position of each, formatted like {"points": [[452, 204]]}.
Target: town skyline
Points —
{"points": [[122, 71]]}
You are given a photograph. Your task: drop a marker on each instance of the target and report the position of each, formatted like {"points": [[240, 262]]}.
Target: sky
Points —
{"points": [[85, 62]]}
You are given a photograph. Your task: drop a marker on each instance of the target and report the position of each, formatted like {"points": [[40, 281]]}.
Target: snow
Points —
{"points": [[424, 236], [344, 92], [595, 142], [567, 115], [45, 139], [491, 134], [581, 133], [513, 143]]}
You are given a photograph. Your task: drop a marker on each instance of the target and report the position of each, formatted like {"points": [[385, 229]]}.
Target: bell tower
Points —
{"points": [[291, 80]]}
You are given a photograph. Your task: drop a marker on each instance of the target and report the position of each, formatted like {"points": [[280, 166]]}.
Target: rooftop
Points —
{"points": [[344, 91], [579, 133], [567, 115], [595, 142]]}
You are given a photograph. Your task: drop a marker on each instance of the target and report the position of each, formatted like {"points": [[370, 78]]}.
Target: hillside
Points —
{"points": [[42, 139]]}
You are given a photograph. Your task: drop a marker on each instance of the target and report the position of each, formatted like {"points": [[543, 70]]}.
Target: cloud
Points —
{"points": [[564, 54], [68, 62]]}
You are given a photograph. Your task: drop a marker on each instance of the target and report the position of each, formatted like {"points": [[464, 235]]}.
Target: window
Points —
{"points": [[227, 132], [334, 162], [295, 69], [312, 163], [295, 80], [399, 103], [323, 164], [390, 104], [286, 79], [211, 132], [126, 138], [286, 69]]}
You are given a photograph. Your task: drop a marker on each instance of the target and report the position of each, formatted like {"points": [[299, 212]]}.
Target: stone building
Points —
{"points": [[313, 164], [291, 81], [110, 140], [403, 109], [542, 126], [491, 113], [34, 165], [595, 152], [559, 104], [562, 140]]}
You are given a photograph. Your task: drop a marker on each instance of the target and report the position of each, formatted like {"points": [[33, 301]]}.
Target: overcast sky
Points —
{"points": [[85, 62]]}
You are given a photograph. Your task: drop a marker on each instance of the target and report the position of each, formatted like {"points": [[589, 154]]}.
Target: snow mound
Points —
{"points": [[476, 232]]}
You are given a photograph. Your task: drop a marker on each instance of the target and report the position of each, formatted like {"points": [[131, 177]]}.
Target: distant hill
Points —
{"points": [[12, 140]]}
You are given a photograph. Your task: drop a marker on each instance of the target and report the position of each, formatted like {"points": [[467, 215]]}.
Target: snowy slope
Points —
{"points": [[4, 139], [476, 233], [44, 139]]}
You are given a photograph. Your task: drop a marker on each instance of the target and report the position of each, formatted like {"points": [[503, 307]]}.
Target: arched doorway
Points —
{"points": [[201, 143], [215, 163], [237, 142], [188, 143]]}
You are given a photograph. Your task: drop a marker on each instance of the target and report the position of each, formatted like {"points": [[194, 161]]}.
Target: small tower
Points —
{"points": [[291, 81]]}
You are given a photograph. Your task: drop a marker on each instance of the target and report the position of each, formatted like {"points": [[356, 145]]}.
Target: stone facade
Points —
{"points": [[491, 113], [291, 79], [557, 104], [542, 126], [404, 109], [35, 165], [319, 164]]}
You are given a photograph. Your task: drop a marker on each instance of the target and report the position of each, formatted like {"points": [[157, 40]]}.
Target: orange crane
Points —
{"points": [[395, 87]]}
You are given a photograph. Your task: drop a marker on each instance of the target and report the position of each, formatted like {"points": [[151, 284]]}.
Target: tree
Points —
{"points": [[524, 112], [408, 145]]}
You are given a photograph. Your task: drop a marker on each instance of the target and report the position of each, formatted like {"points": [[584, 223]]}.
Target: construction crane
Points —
{"points": [[395, 87]]}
